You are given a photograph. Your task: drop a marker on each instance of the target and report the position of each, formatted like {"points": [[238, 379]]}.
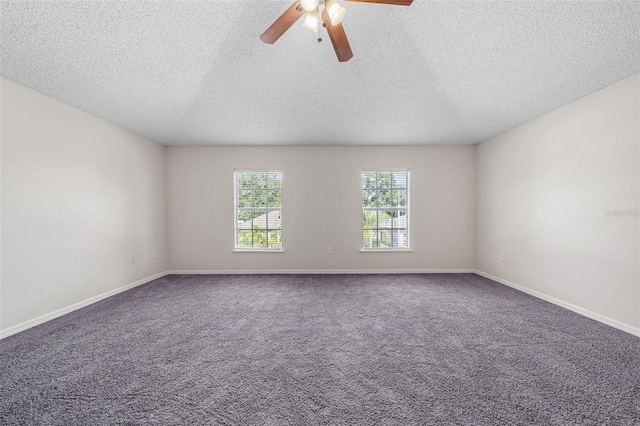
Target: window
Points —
{"points": [[258, 210], [385, 209]]}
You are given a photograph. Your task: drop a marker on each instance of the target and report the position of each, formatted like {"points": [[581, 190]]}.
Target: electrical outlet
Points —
{"points": [[154, 254], [329, 250], [133, 259], [501, 257]]}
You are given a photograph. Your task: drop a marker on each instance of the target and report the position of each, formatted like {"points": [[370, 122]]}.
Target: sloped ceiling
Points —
{"points": [[437, 72]]}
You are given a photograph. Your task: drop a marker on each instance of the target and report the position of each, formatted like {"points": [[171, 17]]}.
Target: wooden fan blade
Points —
{"points": [[338, 39], [283, 23], [395, 2]]}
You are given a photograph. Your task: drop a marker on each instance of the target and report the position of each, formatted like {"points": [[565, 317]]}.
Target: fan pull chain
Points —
{"points": [[319, 19]]}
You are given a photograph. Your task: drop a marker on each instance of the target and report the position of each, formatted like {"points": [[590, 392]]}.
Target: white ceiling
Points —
{"points": [[437, 72]]}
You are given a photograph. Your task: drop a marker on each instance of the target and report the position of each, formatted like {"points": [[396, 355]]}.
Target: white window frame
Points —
{"points": [[407, 208], [237, 209]]}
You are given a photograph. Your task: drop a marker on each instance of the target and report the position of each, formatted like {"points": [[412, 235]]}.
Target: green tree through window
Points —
{"points": [[258, 210], [385, 209]]}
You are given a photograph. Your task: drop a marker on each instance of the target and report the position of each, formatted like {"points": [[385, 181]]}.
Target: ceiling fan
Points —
{"points": [[332, 15]]}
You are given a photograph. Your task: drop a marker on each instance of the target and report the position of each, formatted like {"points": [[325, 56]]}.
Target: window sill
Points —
{"points": [[386, 250], [256, 251]]}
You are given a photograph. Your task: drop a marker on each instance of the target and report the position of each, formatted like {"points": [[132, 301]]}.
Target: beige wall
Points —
{"points": [[321, 207], [79, 197], [543, 190]]}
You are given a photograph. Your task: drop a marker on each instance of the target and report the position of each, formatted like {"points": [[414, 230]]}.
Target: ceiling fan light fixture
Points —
{"points": [[332, 15], [309, 5], [335, 11], [311, 21]]}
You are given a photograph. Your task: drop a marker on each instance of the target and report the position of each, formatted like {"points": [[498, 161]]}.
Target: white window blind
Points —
{"points": [[258, 210], [385, 209]]}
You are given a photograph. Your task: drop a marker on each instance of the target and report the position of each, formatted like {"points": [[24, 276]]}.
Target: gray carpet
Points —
{"points": [[321, 349]]}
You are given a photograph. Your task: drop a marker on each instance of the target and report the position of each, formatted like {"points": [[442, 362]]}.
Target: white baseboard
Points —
{"points": [[58, 313], [55, 314], [318, 271], [577, 309]]}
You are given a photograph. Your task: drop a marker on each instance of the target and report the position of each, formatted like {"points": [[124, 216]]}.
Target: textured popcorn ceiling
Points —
{"points": [[437, 72]]}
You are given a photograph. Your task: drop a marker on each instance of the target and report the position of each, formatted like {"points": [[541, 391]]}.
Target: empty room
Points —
{"points": [[358, 212]]}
